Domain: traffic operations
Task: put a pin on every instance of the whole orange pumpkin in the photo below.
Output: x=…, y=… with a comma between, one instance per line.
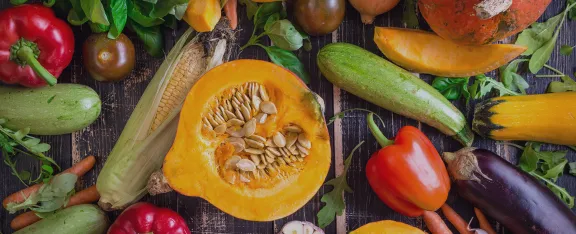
x=464, y=22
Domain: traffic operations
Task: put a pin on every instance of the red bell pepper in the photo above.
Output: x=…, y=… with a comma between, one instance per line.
x=407, y=174
x=146, y=218
x=35, y=46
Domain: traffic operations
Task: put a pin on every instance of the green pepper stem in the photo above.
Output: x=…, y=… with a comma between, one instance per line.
x=26, y=54
x=382, y=140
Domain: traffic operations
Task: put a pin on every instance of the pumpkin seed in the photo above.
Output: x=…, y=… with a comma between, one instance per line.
x=302, y=155
x=293, y=150
x=230, y=114
x=254, y=151
x=234, y=133
x=244, y=179
x=235, y=139
x=254, y=144
x=232, y=161
x=303, y=141
x=263, y=160
x=293, y=158
x=236, y=102
x=246, y=165
x=208, y=126
x=249, y=128
x=281, y=161
x=235, y=122
x=287, y=159
x=228, y=105
x=218, y=117
x=245, y=111
x=261, y=118
x=261, y=166
x=263, y=93
x=268, y=153
x=256, y=101
x=269, y=159
x=238, y=147
x=302, y=149
x=270, y=143
x=268, y=108
x=300, y=159
x=221, y=129
x=293, y=128
x=273, y=151
x=279, y=139
x=212, y=121
x=258, y=138
x=284, y=151
x=291, y=138
x=255, y=159
x=271, y=169
x=246, y=99
x=239, y=114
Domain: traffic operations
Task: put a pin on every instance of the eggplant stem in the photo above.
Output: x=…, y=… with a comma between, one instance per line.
x=375, y=130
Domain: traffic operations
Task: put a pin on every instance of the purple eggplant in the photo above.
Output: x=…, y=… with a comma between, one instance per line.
x=506, y=193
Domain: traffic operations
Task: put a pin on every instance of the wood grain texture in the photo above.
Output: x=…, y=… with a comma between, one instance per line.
x=119, y=100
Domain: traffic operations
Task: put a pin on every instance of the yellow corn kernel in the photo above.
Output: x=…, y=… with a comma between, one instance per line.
x=188, y=70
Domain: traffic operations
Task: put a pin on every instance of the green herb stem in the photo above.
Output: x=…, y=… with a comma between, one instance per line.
x=560, y=74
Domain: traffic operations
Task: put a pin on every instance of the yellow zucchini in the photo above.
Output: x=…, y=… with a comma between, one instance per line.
x=549, y=118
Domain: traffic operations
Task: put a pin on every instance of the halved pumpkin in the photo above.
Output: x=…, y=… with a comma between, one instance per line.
x=252, y=141
x=387, y=227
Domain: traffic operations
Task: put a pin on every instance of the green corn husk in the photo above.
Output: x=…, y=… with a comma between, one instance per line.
x=144, y=143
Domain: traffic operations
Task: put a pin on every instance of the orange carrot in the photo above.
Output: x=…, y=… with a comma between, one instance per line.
x=484, y=224
x=79, y=169
x=455, y=219
x=435, y=224
x=231, y=14
x=85, y=196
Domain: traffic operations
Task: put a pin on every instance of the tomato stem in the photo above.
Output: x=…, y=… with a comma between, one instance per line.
x=382, y=140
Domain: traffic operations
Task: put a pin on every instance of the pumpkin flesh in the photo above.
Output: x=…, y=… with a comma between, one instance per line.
x=199, y=162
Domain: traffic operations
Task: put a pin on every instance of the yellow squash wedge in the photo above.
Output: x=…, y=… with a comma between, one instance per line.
x=251, y=140
x=203, y=15
x=387, y=227
x=549, y=118
x=425, y=52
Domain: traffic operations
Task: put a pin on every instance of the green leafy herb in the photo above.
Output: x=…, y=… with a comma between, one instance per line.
x=566, y=50
x=483, y=85
x=119, y=12
x=511, y=79
x=172, y=7
x=452, y=88
x=98, y=28
x=251, y=8
x=140, y=13
x=541, y=39
x=566, y=85
x=572, y=166
x=546, y=166
x=572, y=12
x=287, y=60
x=270, y=17
x=95, y=12
x=285, y=35
x=151, y=36
x=51, y=197
x=16, y=143
x=335, y=199
x=410, y=15
x=18, y=2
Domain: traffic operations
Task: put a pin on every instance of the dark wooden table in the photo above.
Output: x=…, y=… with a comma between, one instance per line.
x=119, y=99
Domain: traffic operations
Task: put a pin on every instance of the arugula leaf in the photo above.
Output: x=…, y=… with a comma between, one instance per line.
x=559, y=191
x=483, y=85
x=251, y=8
x=284, y=34
x=410, y=15
x=119, y=13
x=95, y=12
x=511, y=79
x=452, y=88
x=52, y=196
x=287, y=60
x=151, y=36
x=335, y=199
x=541, y=39
x=566, y=50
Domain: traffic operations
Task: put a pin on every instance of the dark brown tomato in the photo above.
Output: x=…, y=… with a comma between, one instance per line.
x=319, y=17
x=106, y=59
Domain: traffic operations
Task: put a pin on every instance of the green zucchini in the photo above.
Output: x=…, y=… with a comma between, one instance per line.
x=85, y=219
x=377, y=80
x=61, y=109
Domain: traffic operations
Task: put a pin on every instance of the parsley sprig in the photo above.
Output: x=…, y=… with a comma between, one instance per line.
x=14, y=144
